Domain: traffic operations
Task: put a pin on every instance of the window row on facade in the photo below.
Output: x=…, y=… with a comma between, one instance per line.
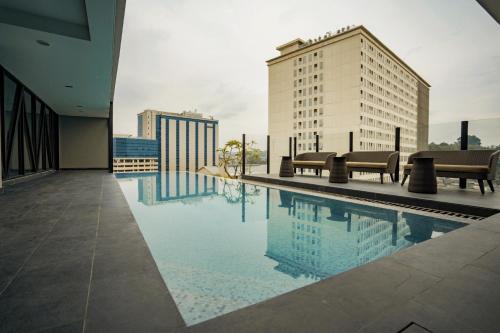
x=392, y=109
x=313, y=90
x=314, y=68
x=304, y=124
x=388, y=63
x=311, y=57
x=312, y=102
x=379, y=101
x=388, y=83
x=309, y=113
x=309, y=135
x=312, y=79
x=381, y=91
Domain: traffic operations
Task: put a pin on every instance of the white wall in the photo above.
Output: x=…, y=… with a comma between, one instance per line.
x=83, y=143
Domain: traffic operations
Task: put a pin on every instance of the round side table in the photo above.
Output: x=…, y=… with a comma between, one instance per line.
x=286, y=167
x=338, y=171
x=423, y=176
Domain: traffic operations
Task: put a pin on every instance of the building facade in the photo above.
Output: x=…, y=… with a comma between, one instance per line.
x=343, y=82
x=135, y=154
x=186, y=141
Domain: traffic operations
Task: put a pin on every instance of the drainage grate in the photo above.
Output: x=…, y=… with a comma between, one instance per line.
x=422, y=209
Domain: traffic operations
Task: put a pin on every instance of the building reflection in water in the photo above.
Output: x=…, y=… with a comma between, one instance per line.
x=316, y=237
x=307, y=236
x=158, y=188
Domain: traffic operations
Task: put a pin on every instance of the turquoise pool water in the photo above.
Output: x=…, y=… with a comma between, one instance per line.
x=221, y=245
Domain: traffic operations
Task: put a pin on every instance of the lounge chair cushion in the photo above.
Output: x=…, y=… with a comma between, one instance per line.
x=373, y=165
x=457, y=168
x=309, y=163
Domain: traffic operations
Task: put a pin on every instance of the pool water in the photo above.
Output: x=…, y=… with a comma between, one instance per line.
x=221, y=245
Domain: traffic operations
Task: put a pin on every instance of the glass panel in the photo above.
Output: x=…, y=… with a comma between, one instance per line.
x=444, y=136
x=484, y=134
x=256, y=154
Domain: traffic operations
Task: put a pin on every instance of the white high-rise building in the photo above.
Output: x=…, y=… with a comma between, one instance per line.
x=342, y=82
x=186, y=141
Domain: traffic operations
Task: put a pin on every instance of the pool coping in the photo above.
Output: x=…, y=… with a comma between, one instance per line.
x=379, y=196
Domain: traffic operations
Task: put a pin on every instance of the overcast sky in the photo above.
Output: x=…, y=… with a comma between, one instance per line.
x=210, y=55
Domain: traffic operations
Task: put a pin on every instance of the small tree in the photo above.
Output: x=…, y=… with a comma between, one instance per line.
x=231, y=156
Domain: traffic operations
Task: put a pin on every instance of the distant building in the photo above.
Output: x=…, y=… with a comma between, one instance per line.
x=134, y=154
x=187, y=141
x=342, y=82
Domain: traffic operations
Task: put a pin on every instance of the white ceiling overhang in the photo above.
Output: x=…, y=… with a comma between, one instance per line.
x=75, y=73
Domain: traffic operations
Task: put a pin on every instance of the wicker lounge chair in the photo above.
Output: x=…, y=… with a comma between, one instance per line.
x=315, y=161
x=467, y=164
x=373, y=161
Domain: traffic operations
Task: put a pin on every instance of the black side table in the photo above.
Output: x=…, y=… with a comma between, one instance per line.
x=286, y=167
x=338, y=171
x=423, y=176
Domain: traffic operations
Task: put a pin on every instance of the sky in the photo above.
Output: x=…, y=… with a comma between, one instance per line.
x=211, y=55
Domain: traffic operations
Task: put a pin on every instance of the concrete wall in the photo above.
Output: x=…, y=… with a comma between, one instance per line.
x=83, y=143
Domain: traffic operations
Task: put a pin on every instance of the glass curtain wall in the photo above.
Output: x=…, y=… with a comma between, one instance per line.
x=28, y=130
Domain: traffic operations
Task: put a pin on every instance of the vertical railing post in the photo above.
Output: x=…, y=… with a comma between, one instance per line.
x=268, y=167
x=397, y=147
x=351, y=147
x=243, y=154
x=464, y=143
x=290, y=147
x=294, y=146
x=294, y=150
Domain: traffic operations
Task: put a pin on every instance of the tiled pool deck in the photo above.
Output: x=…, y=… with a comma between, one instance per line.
x=449, y=198
x=72, y=259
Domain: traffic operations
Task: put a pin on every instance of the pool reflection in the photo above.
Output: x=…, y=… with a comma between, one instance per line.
x=304, y=232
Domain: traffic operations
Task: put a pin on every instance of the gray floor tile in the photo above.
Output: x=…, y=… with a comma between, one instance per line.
x=471, y=294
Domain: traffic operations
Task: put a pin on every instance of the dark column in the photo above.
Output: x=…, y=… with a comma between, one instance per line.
x=351, y=147
x=294, y=146
x=267, y=203
x=20, y=134
x=214, y=146
x=33, y=133
x=397, y=147
x=464, y=143
x=2, y=126
x=317, y=149
x=55, y=127
x=290, y=146
x=243, y=154
x=268, y=157
x=110, y=138
x=243, y=202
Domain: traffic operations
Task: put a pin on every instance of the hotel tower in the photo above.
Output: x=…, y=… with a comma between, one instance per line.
x=342, y=82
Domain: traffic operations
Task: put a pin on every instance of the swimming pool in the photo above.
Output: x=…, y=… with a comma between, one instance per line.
x=221, y=245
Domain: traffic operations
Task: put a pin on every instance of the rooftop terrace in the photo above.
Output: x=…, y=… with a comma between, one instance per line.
x=74, y=260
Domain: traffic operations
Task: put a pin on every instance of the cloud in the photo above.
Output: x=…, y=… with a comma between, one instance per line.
x=210, y=55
